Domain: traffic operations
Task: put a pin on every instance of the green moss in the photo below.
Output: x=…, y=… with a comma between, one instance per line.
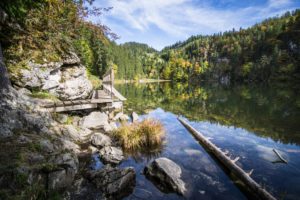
x=35, y=147
x=15, y=68
x=43, y=95
x=69, y=120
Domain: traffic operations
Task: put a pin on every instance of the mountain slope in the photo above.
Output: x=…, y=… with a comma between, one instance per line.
x=267, y=51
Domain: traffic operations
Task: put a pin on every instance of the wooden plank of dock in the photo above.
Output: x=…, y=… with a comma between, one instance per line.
x=115, y=92
x=102, y=98
x=98, y=97
x=71, y=108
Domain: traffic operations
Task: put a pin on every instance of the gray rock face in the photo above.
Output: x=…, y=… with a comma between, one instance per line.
x=110, y=127
x=134, y=116
x=18, y=113
x=68, y=160
x=68, y=145
x=76, y=134
x=60, y=179
x=71, y=59
x=112, y=155
x=93, y=149
x=168, y=173
x=63, y=178
x=66, y=79
x=52, y=81
x=113, y=181
x=23, y=140
x=46, y=146
x=94, y=121
x=74, y=84
x=24, y=91
x=100, y=140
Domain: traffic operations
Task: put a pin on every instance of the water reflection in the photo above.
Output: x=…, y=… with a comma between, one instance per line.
x=266, y=111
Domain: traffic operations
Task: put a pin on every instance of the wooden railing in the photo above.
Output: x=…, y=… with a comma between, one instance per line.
x=108, y=85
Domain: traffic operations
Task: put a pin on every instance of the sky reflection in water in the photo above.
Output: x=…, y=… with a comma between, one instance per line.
x=204, y=177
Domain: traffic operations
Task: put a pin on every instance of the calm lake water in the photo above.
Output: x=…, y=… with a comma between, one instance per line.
x=247, y=121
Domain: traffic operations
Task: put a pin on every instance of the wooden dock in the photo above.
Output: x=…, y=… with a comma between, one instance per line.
x=105, y=98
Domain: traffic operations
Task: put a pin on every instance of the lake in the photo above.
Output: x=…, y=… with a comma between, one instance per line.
x=248, y=121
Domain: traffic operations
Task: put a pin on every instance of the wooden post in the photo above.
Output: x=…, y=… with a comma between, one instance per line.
x=111, y=82
x=229, y=164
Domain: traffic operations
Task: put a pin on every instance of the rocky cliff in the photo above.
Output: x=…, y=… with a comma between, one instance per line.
x=66, y=79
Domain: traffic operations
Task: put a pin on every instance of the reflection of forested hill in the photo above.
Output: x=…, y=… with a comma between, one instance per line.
x=268, y=112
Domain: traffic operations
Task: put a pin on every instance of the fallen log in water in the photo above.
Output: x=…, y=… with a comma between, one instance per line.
x=255, y=188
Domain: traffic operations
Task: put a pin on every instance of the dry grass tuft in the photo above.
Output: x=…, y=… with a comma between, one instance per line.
x=147, y=133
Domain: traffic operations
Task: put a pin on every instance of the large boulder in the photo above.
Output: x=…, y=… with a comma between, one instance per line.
x=168, y=173
x=95, y=120
x=66, y=144
x=121, y=116
x=75, y=134
x=35, y=75
x=114, y=182
x=60, y=179
x=67, y=167
x=100, y=140
x=74, y=84
x=52, y=81
x=111, y=155
x=110, y=127
x=67, y=79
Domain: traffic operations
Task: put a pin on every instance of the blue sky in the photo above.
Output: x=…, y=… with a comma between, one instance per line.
x=160, y=23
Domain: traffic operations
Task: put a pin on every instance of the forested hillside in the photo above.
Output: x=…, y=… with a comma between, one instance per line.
x=265, y=52
x=135, y=61
x=44, y=30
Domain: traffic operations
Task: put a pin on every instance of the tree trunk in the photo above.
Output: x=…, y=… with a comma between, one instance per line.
x=4, y=78
x=256, y=189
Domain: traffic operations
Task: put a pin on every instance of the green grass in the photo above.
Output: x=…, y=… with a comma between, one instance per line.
x=145, y=134
x=43, y=95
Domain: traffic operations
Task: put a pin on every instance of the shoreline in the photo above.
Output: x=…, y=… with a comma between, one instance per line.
x=122, y=81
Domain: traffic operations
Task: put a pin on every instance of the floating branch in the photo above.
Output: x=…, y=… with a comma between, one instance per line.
x=250, y=172
x=236, y=159
x=279, y=156
x=230, y=164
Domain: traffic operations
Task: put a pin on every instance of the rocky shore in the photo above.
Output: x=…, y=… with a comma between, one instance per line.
x=49, y=154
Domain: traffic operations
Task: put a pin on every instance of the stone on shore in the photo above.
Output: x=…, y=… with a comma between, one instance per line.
x=168, y=173
x=111, y=155
x=94, y=121
x=134, y=116
x=100, y=140
x=114, y=182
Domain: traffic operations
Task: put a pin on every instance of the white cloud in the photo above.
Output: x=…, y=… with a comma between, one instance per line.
x=179, y=18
